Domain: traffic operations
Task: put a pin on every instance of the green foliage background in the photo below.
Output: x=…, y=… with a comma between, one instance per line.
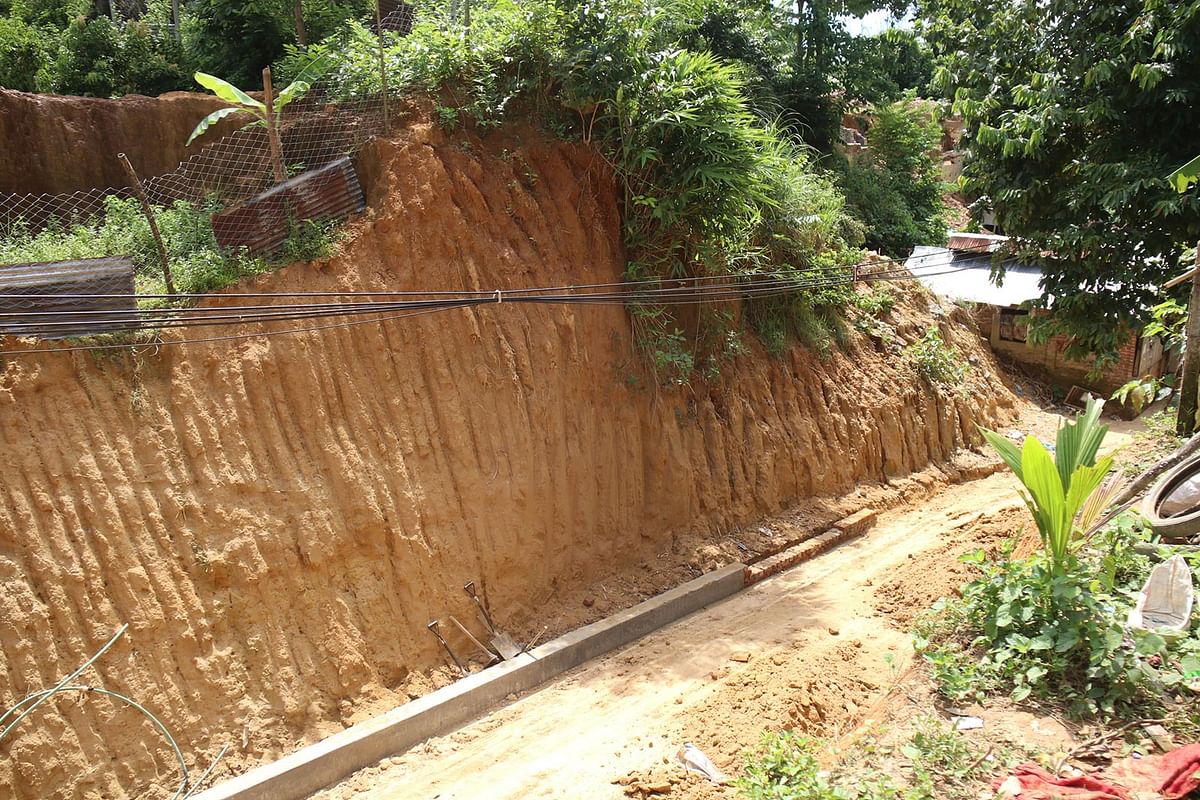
x=707, y=112
x=1075, y=114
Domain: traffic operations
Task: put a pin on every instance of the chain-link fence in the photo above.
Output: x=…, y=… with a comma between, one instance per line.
x=231, y=174
x=312, y=133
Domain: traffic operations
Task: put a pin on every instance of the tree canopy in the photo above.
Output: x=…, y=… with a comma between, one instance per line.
x=1075, y=113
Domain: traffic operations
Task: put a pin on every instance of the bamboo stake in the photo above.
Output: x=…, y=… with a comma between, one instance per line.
x=140, y=191
x=272, y=128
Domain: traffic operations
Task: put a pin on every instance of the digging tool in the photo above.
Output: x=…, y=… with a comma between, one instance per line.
x=433, y=626
x=505, y=645
x=491, y=657
x=533, y=642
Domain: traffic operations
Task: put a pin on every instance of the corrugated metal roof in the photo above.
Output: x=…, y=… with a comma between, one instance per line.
x=55, y=283
x=968, y=276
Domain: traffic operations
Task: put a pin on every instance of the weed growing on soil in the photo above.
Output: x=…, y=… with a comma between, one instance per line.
x=937, y=763
x=876, y=303
x=1051, y=626
x=935, y=359
x=664, y=344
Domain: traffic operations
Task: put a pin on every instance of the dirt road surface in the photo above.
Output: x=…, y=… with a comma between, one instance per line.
x=808, y=649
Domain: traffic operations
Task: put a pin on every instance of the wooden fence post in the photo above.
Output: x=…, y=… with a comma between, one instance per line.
x=140, y=191
x=273, y=128
x=1189, y=370
x=382, y=66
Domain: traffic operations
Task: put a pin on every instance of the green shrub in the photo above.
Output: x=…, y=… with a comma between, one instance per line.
x=198, y=263
x=236, y=39
x=1030, y=630
x=876, y=303
x=50, y=14
x=95, y=58
x=896, y=188
x=707, y=186
x=87, y=61
x=153, y=64
x=1053, y=625
x=22, y=54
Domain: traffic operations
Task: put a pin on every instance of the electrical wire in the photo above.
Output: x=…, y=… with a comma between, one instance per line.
x=231, y=338
x=679, y=291
x=940, y=251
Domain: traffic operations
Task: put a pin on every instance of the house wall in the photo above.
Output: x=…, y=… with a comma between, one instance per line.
x=1138, y=356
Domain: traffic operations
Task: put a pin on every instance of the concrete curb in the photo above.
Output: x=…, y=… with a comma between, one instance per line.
x=314, y=767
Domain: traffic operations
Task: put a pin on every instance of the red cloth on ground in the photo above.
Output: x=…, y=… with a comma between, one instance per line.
x=1173, y=776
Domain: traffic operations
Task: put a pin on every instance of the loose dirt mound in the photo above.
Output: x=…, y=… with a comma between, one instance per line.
x=278, y=518
x=918, y=584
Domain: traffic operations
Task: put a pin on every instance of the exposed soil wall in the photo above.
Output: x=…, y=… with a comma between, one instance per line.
x=56, y=144
x=278, y=518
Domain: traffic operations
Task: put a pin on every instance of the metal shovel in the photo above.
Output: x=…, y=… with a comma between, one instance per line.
x=488, y=654
x=505, y=645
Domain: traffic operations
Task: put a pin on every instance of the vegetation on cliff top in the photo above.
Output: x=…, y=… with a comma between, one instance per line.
x=701, y=108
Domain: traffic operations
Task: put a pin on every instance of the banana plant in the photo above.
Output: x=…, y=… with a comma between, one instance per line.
x=242, y=103
x=1058, y=488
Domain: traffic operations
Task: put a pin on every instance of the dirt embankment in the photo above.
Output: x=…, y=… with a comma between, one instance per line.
x=278, y=518
x=56, y=144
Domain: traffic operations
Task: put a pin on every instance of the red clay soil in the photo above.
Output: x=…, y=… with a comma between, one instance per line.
x=277, y=518
x=58, y=144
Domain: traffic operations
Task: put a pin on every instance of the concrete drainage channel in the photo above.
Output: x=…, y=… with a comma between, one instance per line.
x=332, y=759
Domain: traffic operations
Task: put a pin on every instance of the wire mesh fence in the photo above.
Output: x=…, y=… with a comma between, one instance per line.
x=314, y=131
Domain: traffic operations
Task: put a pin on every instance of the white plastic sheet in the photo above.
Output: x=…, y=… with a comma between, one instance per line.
x=1165, y=603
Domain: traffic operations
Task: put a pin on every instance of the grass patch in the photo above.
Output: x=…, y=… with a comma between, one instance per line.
x=936, y=360
x=198, y=263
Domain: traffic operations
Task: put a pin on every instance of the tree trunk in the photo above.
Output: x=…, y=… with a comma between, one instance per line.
x=1189, y=379
x=801, y=24
x=298, y=11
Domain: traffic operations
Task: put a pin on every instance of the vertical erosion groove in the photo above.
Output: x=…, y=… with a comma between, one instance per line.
x=277, y=519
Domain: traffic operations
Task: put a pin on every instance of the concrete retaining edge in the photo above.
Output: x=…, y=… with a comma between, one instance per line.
x=332, y=759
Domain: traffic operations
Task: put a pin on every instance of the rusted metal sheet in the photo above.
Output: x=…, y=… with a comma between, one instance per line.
x=34, y=297
x=974, y=242
x=260, y=224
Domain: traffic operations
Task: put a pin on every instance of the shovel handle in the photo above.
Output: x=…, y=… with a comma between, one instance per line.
x=469, y=588
x=433, y=628
x=468, y=634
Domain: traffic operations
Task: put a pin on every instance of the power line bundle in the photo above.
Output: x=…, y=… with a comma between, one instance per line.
x=266, y=309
